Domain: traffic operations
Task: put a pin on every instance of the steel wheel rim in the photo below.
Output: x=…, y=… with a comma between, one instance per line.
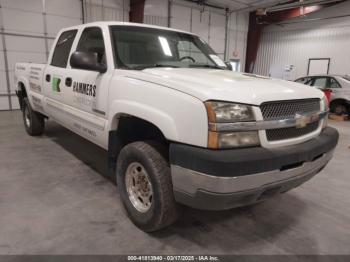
x=139, y=187
x=27, y=116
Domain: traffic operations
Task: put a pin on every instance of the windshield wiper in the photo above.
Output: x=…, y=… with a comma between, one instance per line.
x=153, y=66
x=206, y=66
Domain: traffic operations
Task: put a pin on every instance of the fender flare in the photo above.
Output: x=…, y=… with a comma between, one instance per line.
x=164, y=122
x=25, y=83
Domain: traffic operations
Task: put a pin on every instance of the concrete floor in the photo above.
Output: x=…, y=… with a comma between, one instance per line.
x=55, y=199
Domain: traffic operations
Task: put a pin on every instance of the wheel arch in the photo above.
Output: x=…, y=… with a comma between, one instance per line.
x=128, y=128
x=22, y=91
x=339, y=101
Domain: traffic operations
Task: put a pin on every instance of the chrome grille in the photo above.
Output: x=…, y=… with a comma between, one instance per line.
x=288, y=109
x=290, y=132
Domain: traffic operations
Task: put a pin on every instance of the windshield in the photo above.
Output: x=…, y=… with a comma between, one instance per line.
x=346, y=77
x=140, y=47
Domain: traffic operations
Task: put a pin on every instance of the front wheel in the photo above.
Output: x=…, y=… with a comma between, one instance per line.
x=34, y=122
x=144, y=182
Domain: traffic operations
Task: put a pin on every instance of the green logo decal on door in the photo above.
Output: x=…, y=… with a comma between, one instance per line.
x=56, y=84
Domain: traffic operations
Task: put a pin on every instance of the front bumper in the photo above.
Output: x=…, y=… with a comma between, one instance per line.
x=223, y=179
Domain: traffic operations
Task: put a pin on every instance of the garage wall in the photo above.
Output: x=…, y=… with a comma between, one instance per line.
x=106, y=10
x=27, y=31
x=237, y=37
x=293, y=44
x=209, y=24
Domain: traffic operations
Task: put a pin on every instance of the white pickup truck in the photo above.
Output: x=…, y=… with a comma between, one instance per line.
x=179, y=126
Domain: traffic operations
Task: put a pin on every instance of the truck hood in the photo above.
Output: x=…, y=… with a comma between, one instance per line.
x=225, y=85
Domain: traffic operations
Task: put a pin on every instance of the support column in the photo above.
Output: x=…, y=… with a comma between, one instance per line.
x=253, y=41
x=137, y=8
x=169, y=12
x=227, y=20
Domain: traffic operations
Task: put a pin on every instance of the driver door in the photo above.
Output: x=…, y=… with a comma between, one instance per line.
x=88, y=90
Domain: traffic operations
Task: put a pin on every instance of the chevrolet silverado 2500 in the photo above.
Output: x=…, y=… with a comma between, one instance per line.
x=179, y=126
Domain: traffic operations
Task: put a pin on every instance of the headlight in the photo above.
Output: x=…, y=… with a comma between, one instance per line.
x=222, y=112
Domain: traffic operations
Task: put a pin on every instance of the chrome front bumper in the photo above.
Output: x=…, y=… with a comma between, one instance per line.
x=222, y=179
x=189, y=181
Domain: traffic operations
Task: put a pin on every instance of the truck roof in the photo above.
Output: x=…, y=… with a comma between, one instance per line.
x=109, y=23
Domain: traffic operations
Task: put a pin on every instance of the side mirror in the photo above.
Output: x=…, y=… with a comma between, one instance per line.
x=87, y=61
x=229, y=66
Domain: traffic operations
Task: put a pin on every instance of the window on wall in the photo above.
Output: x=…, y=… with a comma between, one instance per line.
x=91, y=40
x=62, y=49
x=318, y=66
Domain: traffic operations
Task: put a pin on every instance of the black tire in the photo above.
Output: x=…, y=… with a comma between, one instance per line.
x=34, y=122
x=163, y=210
x=340, y=109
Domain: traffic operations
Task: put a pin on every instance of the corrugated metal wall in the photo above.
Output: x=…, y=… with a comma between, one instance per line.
x=294, y=44
x=106, y=10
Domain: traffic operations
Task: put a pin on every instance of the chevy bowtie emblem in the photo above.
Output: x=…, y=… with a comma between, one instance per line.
x=302, y=120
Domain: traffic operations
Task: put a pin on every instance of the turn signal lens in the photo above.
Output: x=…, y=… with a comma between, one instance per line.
x=233, y=139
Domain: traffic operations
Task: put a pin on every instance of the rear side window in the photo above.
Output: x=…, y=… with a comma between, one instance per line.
x=333, y=83
x=320, y=82
x=62, y=49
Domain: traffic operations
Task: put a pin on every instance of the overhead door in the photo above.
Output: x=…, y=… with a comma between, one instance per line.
x=27, y=32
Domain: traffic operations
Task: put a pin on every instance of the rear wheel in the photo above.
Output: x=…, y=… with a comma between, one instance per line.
x=144, y=182
x=34, y=122
x=340, y=109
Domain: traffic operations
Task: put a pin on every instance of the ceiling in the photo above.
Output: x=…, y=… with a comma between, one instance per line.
x=235, y=5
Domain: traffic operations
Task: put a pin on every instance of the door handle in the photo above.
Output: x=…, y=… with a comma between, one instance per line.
x=48, y=78
x=68, y=81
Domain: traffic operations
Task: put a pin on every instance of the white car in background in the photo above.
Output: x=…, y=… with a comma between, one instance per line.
x=339, y=85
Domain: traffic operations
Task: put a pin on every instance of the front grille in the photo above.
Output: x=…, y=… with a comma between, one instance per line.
x=290, y=132
x=288, y=109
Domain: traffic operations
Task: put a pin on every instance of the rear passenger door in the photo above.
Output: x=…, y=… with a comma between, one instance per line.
x=337, y=91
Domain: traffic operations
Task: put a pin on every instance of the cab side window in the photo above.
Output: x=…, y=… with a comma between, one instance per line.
x=91, y=40
x=62, y=49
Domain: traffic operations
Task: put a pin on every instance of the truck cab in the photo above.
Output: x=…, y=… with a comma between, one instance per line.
x=178, y=125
